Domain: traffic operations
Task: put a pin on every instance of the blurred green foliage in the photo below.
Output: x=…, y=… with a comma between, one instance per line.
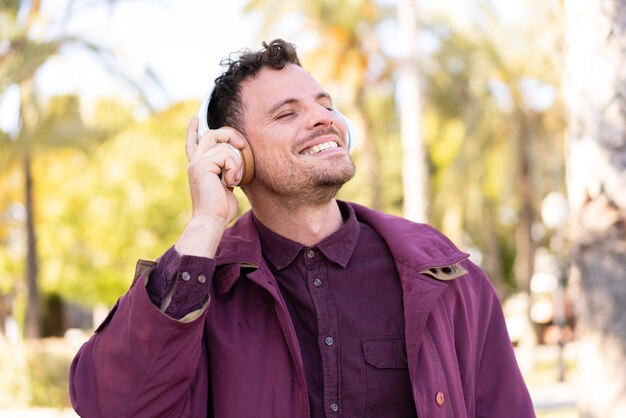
x=101, y=210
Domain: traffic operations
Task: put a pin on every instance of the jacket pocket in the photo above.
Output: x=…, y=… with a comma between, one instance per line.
x=387, y=378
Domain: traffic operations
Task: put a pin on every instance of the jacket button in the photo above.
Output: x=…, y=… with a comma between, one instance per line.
x=440, y=398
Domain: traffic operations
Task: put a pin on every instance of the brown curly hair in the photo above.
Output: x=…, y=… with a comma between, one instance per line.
x=225, y=106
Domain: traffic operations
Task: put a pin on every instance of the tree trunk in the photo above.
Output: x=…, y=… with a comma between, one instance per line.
x=4, y=313
x=414, y=163
x=28, y=113
x=595, y=93
x=368, y=150
x=492, y=261
x=32, y=325
x=525, y=249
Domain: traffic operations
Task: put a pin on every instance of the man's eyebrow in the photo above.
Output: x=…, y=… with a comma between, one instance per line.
x=324, y=95
x=281, y=104
x=291, y=100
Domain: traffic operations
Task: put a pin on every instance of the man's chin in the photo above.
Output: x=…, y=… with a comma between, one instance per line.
x=332, y=182
x=336, y=178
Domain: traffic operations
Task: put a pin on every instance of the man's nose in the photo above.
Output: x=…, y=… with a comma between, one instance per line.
x=320, y=116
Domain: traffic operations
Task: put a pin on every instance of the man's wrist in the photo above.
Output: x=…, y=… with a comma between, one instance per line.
x=201, y=236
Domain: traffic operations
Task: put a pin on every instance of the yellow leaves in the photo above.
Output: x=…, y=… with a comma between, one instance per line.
x=444, y=139
x=370, y=11
x=338, y=35
x=98, y=211
x=495, y=163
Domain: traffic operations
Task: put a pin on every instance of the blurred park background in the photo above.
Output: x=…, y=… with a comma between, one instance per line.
x=500, y=122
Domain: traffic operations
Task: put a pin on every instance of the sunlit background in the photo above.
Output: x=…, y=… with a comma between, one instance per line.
x=498, y=122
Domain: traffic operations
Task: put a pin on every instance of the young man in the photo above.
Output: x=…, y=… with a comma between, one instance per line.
x=306, y=306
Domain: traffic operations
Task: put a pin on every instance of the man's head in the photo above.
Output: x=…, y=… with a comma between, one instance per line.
x=298, y=140
x=225, y=107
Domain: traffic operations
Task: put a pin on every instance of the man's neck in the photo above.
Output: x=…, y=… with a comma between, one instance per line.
x=305, y=224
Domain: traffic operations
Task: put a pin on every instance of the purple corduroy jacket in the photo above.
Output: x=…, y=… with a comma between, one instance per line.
x=239, y=356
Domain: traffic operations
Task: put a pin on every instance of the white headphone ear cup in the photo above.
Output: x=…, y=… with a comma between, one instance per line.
x=203, y=114
x=346, y=122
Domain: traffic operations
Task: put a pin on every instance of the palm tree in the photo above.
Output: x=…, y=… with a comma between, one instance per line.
x=20, y=60
x=595, y=94
x=18, y=65
x=488, y=137
x=414, y=163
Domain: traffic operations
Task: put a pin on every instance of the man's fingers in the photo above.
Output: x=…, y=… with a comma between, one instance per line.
x=221, y=160
x=222, y=135
x=217, y=150
x=231, y=171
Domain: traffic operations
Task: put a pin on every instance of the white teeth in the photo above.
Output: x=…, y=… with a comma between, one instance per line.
x=322, y=147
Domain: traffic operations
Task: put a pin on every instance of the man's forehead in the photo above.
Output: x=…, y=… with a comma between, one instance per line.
x=289, y=84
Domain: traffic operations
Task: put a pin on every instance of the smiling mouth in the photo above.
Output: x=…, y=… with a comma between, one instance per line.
x=321, y=147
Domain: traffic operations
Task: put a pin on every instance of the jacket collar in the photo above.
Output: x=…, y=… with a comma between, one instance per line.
x=239, y=248
x=415, y=247
x=240, y=243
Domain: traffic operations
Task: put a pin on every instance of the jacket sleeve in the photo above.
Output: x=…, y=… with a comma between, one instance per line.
x=141, y=362
x=500, y=389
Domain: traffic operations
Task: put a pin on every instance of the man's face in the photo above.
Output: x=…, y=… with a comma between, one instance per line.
x=299, y=143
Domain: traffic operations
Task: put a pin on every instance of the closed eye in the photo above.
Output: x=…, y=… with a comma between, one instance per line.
x=285, y=115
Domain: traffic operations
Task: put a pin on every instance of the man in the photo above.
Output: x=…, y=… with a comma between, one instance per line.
x=306, y=306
